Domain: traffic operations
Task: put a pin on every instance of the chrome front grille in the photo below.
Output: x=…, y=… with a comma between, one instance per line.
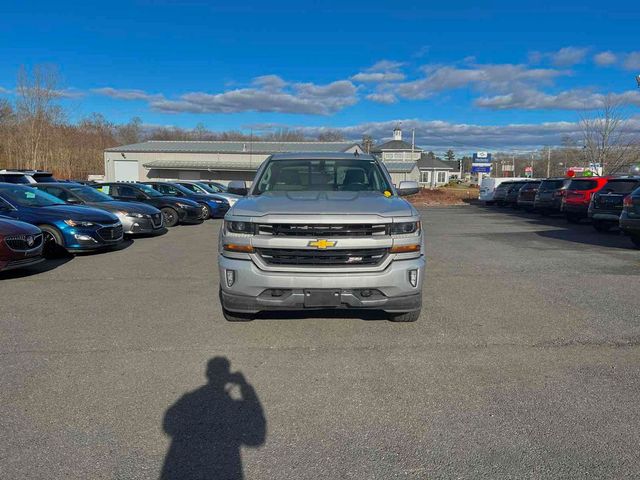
x=23, y=243
x=322, y=230
x=298, y=256
x=156, y=220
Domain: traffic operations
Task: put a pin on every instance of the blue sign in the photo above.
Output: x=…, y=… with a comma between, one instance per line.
x=480, y=169
x=482, y=157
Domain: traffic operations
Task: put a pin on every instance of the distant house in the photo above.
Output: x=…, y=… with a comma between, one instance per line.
x=433, y=172
x=409, y=162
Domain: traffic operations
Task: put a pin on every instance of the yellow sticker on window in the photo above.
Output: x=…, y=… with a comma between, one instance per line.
x=387, y=193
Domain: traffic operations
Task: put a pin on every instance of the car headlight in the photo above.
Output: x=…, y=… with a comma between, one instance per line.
x=79, y=223
x=240, y=227
x=137, y=215
x=183, y=205
x=404, y=228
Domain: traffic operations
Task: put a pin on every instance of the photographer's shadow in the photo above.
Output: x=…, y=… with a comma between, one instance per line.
x=209, y=425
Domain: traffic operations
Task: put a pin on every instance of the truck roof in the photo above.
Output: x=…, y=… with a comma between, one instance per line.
x=322, y=156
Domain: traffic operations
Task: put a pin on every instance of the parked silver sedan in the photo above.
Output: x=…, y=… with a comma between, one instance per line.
x=136, y=218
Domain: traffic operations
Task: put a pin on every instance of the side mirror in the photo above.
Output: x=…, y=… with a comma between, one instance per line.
x=140, y=196
x=73, y=200
x=238, y=187
x=408, y=187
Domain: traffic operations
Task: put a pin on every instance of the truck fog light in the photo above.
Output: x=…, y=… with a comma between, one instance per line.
x=231, y=277
x=413, y=278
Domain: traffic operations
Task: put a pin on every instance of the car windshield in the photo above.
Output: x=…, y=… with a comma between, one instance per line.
x=14, y=178
x=29, y=197
x=215, y=187
x=205, y=188
x=621, y=186
x=89, y=194
x=192, y=187
x=322, y=175
x=148, y=190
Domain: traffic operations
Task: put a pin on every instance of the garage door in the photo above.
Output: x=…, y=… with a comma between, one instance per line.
x=125, y=171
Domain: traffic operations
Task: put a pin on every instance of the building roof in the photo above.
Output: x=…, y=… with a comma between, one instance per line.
x=400, y=167
x=394, y=145
x=427, y=162
x=192, y=146
x=208, y=165
x=322, y=156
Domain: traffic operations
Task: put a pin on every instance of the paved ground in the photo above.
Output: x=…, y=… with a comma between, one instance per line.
x=525, y=364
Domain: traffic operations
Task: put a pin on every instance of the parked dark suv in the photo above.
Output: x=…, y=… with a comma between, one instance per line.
x=549, y=195
x=174, y=210
x=500, y=194
x=511, y=198
x=575, y=201
x=606, y=205
x=211, y=206
x=630, y=216
x=527, y=195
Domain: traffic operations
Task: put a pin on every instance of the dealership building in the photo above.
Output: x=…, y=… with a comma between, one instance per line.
x=202, y=160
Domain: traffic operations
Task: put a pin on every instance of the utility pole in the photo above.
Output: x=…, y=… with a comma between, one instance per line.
x=413, y=141
x=548, y=162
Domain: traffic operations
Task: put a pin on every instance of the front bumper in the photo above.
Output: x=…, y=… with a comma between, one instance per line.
x=141, y=226
x=190, y=215
x=85, y=239
x=251, y=291
x=20, y=263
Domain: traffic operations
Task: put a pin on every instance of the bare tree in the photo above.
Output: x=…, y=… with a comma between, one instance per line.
x=331, y=136
x=606, y=137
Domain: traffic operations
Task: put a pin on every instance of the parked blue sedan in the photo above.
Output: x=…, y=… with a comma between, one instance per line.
x=213, y=206
x=73, y=228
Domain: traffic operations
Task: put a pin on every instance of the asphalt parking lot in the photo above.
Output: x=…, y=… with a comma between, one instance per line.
x=524, y=364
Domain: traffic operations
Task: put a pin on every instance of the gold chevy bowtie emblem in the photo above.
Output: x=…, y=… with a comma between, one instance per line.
x=322, y=244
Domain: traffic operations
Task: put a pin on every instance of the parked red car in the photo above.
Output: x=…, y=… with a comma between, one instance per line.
x=20, y=244
x=576, y=198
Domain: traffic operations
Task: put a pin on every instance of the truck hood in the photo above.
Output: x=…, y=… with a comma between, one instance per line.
x=322, y=203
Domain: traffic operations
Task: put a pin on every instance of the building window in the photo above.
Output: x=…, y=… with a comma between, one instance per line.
x=442, y=177
x=425, y=177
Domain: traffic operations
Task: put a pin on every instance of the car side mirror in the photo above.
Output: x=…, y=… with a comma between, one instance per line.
x=73, y=200
x=140, y=196
x=238, y=187
x=408, y=187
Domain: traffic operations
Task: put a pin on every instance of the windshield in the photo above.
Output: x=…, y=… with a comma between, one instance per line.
x=148, y=190
x=214, y=187
x=192, y=187
x=322, y=175
x=89, y=194
x=29, y=197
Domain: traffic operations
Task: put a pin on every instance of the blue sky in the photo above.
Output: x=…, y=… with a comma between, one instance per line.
x=463, y=74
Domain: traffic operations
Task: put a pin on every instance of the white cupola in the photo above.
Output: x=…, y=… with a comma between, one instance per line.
x=397, y=133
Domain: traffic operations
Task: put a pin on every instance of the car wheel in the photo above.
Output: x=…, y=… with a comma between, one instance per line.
x=601, y=227
x=206, y=211
x=636, y=240
x=53, y=242
x=405, y=317
x=170, y=217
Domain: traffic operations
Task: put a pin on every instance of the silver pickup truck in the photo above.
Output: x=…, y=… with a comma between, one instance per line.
x=319, y=231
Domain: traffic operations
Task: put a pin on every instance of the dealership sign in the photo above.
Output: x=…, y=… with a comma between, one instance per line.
x=480, y=168
x=481, y=157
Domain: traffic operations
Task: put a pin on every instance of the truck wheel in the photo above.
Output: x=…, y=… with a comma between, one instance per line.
x=53, y=242
x=602, y=227
x=170, y=217
x=636, y=240
x=405, y=317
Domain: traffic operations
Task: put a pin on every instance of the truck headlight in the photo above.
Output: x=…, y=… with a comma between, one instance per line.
x=403, y=228
x=240, y=227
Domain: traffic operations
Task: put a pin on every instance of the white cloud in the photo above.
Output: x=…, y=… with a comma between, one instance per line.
x=382, y=71
x=5, y=91
x=487, y=77
x=568, y=56
x=125, y=94
x=565, y=57
x=632, y=61
x=604, y=59
x=268, y=94
x=567, y=100
x=387, y=98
